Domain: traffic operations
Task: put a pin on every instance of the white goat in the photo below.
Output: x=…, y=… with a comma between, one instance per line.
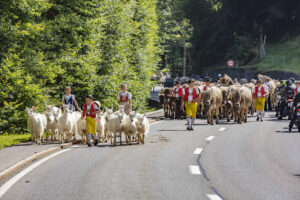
x=101, y=127
x=53, y=116
x=130, y=127
x=68, y=125
x=115, y=127
x=143, y=128
x=37, y=124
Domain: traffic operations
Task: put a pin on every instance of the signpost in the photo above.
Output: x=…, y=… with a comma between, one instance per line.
x=230, y=63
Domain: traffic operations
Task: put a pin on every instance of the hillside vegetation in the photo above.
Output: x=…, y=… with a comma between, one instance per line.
x=283, y=56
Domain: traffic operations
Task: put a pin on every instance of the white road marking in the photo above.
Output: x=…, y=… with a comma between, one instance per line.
x=222, y=129
x=75, y=146
x=198, y=151
x=5, y=187
x=194, y=169
x=210, y=138
x=156, y=122
x=214, y=197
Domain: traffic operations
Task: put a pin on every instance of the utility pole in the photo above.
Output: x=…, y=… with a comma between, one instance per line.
x=184, y=59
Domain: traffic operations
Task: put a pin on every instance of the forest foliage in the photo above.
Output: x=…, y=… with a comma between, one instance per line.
x=96, y=45
x=91, y=45
x=226, y=29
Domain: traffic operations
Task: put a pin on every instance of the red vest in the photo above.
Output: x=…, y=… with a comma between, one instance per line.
x=92, y=110
x=194, y=93
x=297, y=91
x=205, y=87
x=124, y=99
x=262, y=91
x=179, y=92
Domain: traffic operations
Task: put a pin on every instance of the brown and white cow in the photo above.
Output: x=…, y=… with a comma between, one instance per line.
x=212, y=100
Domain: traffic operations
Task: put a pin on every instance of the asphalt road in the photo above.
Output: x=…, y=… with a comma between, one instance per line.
x=257, y=160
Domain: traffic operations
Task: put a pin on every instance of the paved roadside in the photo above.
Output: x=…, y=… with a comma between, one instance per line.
x=14, y=154
x=11, y=155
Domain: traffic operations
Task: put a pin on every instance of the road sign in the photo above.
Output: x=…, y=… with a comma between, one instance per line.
x=230, y=63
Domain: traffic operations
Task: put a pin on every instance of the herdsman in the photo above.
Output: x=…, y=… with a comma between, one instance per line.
x=297, y=89
x=69, y=98
x=260, y=93
x=178, y=93
x=190, y=99
x=90, y=109
x=207, y=81
x=124, y=98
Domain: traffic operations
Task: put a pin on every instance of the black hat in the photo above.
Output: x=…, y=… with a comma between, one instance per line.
x=89, y=96
x=259, y=81
x=178, y=82
x=207, y=79
x=191, y=80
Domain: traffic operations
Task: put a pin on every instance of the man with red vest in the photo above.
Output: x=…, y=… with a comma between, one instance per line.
x=190, y=99
x=297, y=89
x=260, y=93
x=178, y=93
x=207, y=81
x=90, y=109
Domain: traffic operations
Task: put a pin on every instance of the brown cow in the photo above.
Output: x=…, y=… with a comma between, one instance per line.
x=246, y=100
x=212, y=100
x=242, y=99
x=226, y=109
x=226, y=80
x=235, y=98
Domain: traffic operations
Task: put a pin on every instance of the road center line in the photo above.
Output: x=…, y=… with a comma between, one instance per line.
x=198, y=151
x=213, y=197
x=222, y=129
x=4, y=188
x=210, y=138
x=195, y=170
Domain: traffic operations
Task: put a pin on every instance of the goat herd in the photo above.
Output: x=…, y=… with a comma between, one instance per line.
x=67, y=125
x=224, y=99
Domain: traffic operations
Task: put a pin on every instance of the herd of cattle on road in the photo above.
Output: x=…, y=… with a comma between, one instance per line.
x=225, y=99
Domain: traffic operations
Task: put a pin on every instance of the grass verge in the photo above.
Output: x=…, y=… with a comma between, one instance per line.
x=12, y=139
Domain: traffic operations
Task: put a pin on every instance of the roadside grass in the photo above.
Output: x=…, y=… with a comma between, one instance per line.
x=283, y=56
x=12, y=139
x=149, y=109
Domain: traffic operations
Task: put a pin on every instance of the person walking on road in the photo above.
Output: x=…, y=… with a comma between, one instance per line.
x=90, y=109
x=294, y=116
x=124, y=99
x=189, y=100
x=69, y=98
x=268, y=104
x=297, y=89
x=178, y=93
x=207, y=82
x=260, y=93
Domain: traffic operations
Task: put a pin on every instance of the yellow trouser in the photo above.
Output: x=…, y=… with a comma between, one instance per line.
x=90, y=125
x=191, y=109
x=260, y=103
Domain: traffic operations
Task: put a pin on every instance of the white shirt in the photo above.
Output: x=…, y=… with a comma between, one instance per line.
x=88, y=108
x=176, y=92
x=124, y=94
x=190, y=97
x=259, y=90
x=67, y=98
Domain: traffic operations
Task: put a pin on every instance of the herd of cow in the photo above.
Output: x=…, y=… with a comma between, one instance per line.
x=225, y=99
